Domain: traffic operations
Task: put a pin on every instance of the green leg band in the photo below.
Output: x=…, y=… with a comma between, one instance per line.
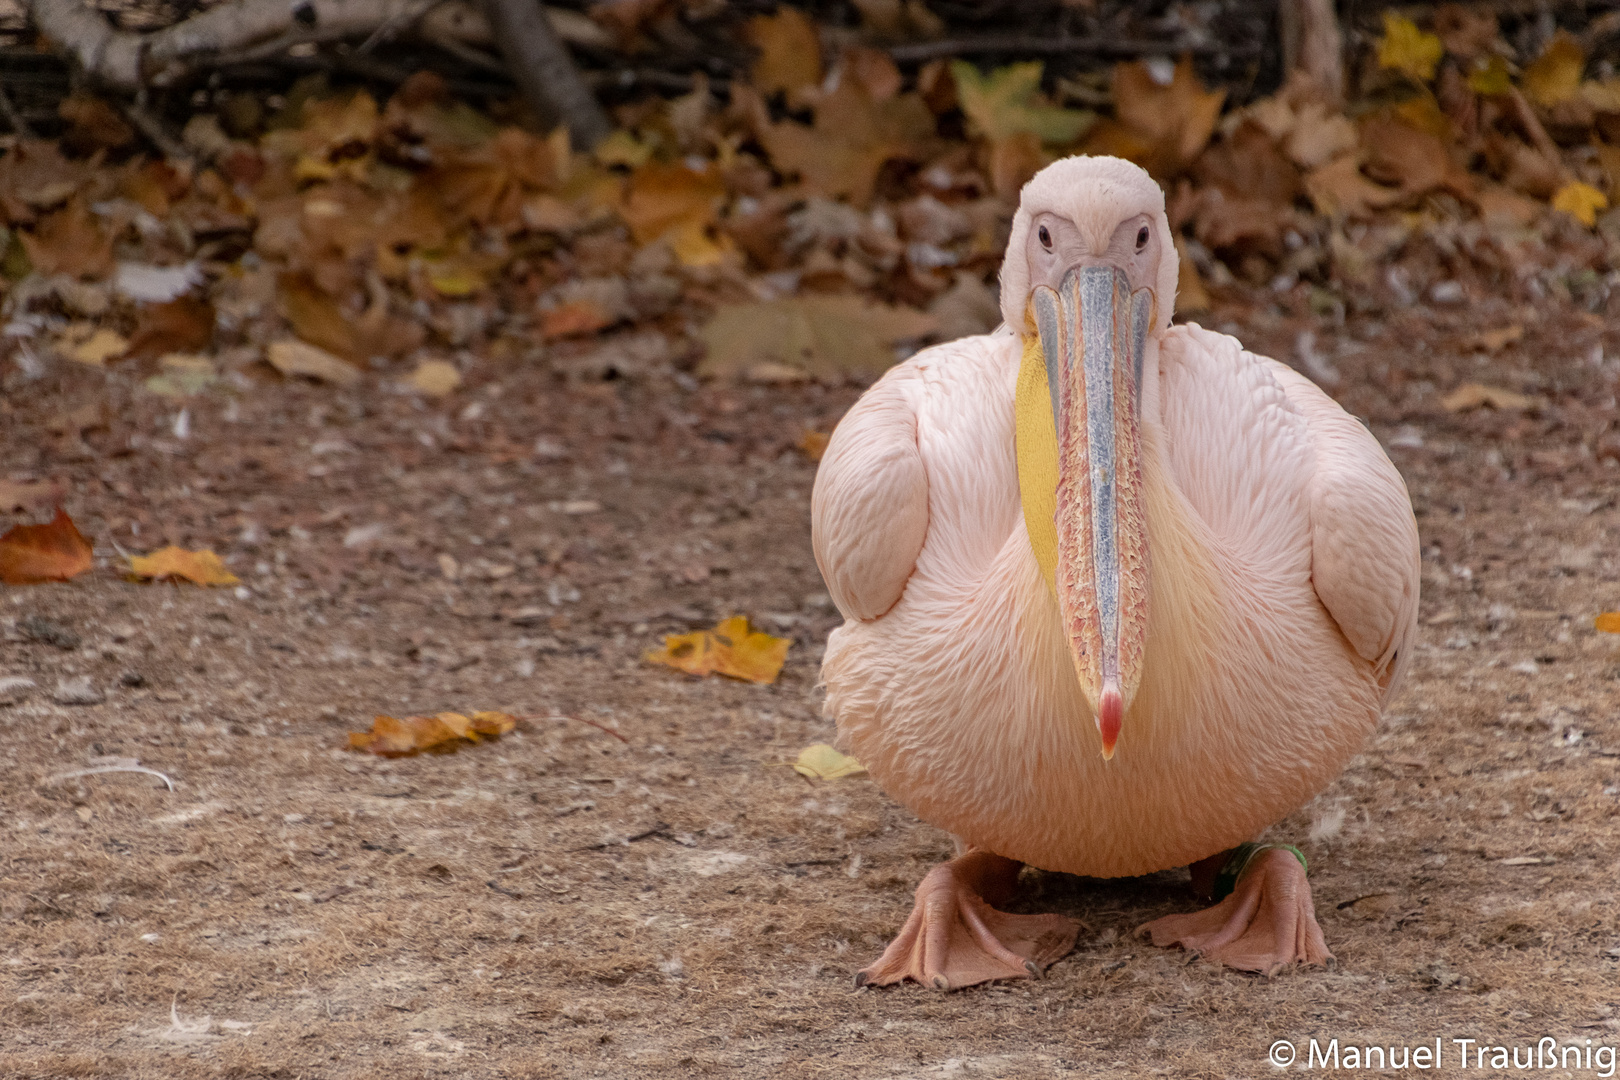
x=1241, y=856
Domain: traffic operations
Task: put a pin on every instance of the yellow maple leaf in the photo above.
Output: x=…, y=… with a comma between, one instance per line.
x=199, y=567
x=1406, y=48
x=1490, y=77
x=1608, y=622
x=733, y=648
x=1556, y=74
x=822, y=762
x=1580, y=201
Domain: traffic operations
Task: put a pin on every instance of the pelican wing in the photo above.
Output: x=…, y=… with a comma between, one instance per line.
x=869, y=510
x=1365, y=562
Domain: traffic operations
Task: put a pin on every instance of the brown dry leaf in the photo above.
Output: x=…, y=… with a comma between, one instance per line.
x=813, y=443
x=1191, y=295
x=1465, y=32
x=1418, y=162
x=30, y=495
x=177, y=564
x=789, y=52
x=733, y=648
x=93, y=124
x=55, y=551
x=1340, y=189
x=444, y=733
x=293, y=357
x=824, y=337
x=34, y=176
x=185, y=325
x=1556, y=74
x=321, y=321
x=488, y=184
x=1470, y=396
x=1608, y=622
x=576, y=318
x=822, y=762
x=1169, y=125
x=853, y=136
x=1494, y=341
x=70, y=241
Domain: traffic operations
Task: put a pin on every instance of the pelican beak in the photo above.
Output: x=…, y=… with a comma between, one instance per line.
x=1093, y=333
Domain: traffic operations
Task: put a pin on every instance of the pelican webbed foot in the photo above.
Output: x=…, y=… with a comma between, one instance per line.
x=1266, y=923
x=954, y=938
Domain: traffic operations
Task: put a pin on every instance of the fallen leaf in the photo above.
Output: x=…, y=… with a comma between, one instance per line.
x=575, y=318
x=677, y=203
x=30, y=554
x=94, y=124
x=1407, y=49
x=173, y=563
x=1491, y=77
x=1417, y=161
x=102, y=345
x=1580, y=201
x=70, y=241
x=825, y=337
x=1008, y=102
x=293, y=357
x=1476, y=395
x=733, y=648
x=29, y=495
x=822, y=762
x=1191, y=295
x=789, y=51
x=181, y=375
x=850, y=141
x=444, y=733
x=1608, y=622
x=1494, y=341
x=1466, y=33
x=435, y=378
x=1162, y=128
x=813, y=443
x=1556, y=74
x=183, y=325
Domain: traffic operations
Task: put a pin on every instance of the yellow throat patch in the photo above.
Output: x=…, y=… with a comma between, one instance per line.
x=1035, y=440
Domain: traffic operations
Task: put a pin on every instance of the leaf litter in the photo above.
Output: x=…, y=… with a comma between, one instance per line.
x=442, y=733
x=733, y=648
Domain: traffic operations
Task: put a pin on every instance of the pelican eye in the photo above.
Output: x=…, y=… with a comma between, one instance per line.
x=1046, y=238
x=1142, y=238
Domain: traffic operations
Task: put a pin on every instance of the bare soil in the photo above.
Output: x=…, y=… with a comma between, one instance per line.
x=561, y=903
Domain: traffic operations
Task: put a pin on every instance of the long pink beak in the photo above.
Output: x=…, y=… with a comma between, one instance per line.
x=1093, y=334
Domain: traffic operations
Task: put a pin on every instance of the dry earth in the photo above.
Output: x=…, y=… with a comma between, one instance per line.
x=561, y=903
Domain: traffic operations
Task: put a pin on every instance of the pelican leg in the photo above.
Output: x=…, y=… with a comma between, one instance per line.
x=954, y=938
x=1267, y=923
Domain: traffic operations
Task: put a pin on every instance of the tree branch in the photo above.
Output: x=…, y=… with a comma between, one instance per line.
x=544, y=71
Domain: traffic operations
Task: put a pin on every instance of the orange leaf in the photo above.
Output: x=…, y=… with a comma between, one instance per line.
x=71, y=242
x=183, y=325
x=789, y=51
x=1608, y=622
x=1174, y=121
x=198, y=567
x=575, y=318
x=814, y=443
x=30, y=554
x=733, y=648
x=444, y=733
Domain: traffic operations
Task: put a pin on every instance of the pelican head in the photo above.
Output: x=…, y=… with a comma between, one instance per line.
x=1089, y=279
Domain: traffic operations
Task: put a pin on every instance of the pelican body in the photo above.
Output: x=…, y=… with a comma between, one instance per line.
x=1118, y=594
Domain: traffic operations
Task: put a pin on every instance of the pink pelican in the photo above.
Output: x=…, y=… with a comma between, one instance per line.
x=1118, y=595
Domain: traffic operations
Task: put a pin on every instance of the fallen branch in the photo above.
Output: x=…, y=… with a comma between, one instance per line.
x=242, y=31
x=1060, y=46
x=543, y=70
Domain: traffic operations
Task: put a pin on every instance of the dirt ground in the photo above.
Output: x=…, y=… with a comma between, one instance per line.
x=561, y=903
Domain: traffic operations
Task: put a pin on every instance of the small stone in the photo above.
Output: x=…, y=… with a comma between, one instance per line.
x=15, y=689
x=79, y=691
x=48, y=631
x=132, y=679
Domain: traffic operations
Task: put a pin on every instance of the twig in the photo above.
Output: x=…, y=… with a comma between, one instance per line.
x=152, y=128
x=1059, y=46
x=582, y=720
x=111, y=769
x=545, y=72
x=468, y=54
x=13, y=117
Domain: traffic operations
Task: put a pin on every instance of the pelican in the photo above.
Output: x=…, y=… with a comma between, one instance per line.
x=1118, y=595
